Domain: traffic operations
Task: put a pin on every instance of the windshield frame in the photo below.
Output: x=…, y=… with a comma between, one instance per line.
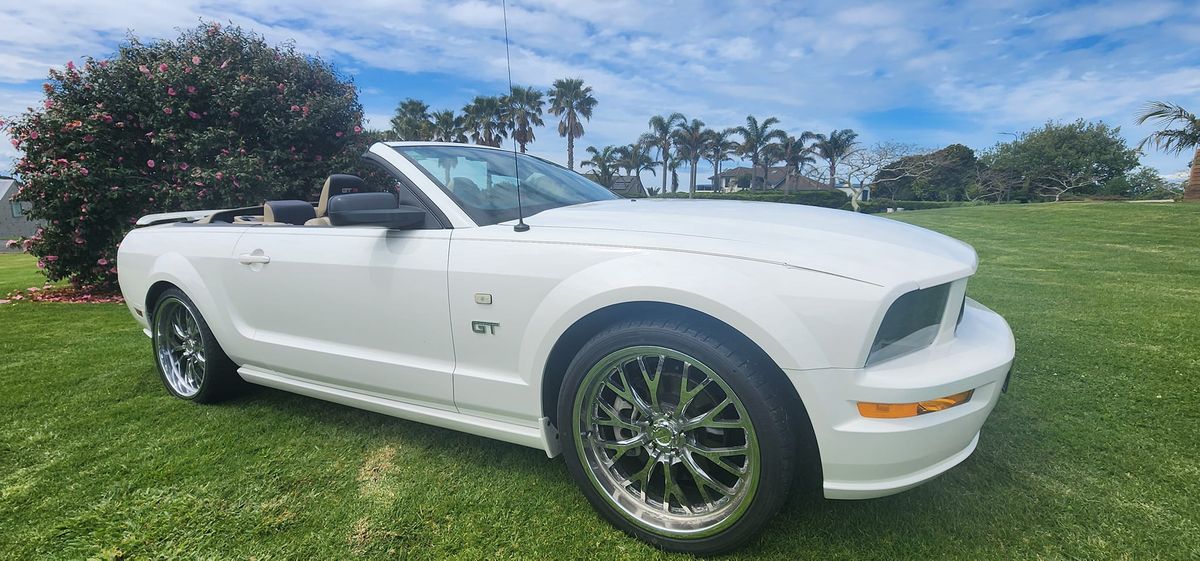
x=488, y=217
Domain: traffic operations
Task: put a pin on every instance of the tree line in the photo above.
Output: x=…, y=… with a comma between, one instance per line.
x=1045, y=163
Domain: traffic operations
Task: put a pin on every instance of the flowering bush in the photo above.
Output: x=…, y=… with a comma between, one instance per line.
x=214, y=119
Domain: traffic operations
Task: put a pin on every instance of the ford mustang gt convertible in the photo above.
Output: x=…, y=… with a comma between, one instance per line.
x=691, y=360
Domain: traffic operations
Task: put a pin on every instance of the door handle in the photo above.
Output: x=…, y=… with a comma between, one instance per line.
x=252, y=259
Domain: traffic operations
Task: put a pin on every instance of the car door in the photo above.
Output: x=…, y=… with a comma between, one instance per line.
x=361, y=308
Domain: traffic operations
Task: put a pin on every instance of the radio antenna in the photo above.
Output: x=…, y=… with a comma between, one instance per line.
x=521, y=226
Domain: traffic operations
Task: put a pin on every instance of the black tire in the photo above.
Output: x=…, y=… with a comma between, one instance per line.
x=217, y=377
x=755, y=380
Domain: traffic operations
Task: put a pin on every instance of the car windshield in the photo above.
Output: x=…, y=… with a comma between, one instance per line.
x=484, y=182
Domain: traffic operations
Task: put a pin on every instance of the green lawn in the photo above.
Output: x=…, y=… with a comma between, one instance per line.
x=1093, y=454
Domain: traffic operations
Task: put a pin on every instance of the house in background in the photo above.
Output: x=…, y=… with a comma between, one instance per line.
x=628, y=186
x=13, y=222
x=777, y=178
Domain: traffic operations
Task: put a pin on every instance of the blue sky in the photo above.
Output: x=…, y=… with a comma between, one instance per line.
x=924, y=73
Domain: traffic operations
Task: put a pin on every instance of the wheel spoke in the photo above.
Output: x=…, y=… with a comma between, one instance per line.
x=621, y=446
x=627, y=393
x=614, y=419
x=671, y=489
x=652, y=381
x=709, y=418
x=715, y=454
x=685, y=395
x=702, y=478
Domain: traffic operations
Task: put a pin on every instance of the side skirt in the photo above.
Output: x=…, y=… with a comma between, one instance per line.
x=533, y=437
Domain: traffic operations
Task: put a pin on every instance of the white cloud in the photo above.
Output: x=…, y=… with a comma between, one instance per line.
x=819, y=65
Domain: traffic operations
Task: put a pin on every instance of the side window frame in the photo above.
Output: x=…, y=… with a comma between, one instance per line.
x=405, y=183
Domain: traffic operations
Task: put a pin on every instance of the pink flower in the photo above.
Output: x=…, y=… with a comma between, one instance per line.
x=41, y=264
x=70, y=65
x=168, y=110
x=88, y=138
x=11, y=243
x=295, y=108
x=33, y=135
x=219, y=176
x=78, y=240
x=357, y=128
x=225, y=64
x=234, y=114
x=338, y=134
x=162, y=67
x=15, y=142
x=48, y=103
x=102, y=261
x=51, y=258
x=195, y=60
x=107, y=118
x=279, y=87
x=183, y=166
x=104, y=64
x=149, y=163
x=170, y=91
x=83, y=171
x=191, y=89
x=143, y=69
x=193, y=114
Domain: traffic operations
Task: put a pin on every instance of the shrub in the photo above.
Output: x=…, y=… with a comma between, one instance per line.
x=827, y=199
x=881, y=205
x=215, y=118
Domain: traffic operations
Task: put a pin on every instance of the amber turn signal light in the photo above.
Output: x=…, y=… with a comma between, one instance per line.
x=903, y=410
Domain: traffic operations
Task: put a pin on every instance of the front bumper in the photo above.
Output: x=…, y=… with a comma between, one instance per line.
x=863, y=458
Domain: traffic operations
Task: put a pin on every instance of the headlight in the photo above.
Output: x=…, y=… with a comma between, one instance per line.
x=910, y=324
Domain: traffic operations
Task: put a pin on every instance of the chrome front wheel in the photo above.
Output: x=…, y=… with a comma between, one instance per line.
x=667, y=441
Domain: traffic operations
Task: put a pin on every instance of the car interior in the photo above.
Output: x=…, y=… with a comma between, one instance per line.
x=341, y=192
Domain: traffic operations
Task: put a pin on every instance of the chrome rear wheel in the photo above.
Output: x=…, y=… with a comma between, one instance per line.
x=179, y=347
x=666, y=441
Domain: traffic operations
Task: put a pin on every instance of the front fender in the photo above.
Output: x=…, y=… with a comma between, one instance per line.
x=779, y=308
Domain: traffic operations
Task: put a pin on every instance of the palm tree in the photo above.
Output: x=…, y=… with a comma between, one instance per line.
x=660, y=137
x=603, y=162
x=484, y=118
x=717, y=148
x=635, y=158
x=411, y=121
x=689, y=139
x=1186, y=136
x=524, y=111
x=756, y=137
x=570, y=100
x=445, y=126
x=795, y=154
x=833, y=148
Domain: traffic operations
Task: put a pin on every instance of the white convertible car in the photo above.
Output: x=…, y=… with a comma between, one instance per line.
x=688, y=358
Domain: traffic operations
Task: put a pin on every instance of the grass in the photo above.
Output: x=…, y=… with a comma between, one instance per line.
x=1093, y=454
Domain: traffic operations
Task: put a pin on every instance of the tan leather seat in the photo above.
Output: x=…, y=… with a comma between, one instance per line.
x=295, y=213
x=336, y=184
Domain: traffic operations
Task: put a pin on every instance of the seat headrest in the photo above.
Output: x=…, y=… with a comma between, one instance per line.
x=363, y=201
x=340, y=184
x=288, y=212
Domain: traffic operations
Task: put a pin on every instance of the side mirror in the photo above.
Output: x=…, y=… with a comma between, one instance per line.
x=373, y=209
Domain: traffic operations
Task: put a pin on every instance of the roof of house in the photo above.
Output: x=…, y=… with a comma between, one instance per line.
x=7, y=184
x=628, y=185
x=776, y=177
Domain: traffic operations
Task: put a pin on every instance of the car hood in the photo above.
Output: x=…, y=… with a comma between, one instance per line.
x=862, y=247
